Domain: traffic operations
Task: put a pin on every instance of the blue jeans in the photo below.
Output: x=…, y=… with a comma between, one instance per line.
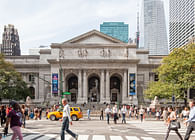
x=123, y=120
x=65, y=127
x=108, y=118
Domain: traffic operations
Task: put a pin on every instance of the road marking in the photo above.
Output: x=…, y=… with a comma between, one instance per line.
x=46, y=137
x=132, y=138
x=147, y=138
x=116, y=138
x=98, y=137
x=67, y=137
x=83, y=137
x=29, y=137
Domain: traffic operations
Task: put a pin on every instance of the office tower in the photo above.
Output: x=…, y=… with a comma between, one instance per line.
x=181, y=22
x=153, y=35
x=117, y=30
x=10, y=41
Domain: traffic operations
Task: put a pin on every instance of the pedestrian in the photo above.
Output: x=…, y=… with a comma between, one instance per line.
x=115, y=112
x=185, y=114
x=123, y=112
x=26, y=113
x=165, y=114
x=88, y=114
x=191, y=120
x=0, y=136
x=108, y=112
x=31, y=114
x=36, y=113
x=101, y=114
x=141, y=113
x=66, y=120
x=40, y=113
x=3, y=115
x=23, y=118
x=172, y=118
x=14, y=118
x=157, y=114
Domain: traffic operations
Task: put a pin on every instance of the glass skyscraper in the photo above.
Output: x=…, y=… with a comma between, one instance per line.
x=117, y=30
x=181, y=22
x=153, y=35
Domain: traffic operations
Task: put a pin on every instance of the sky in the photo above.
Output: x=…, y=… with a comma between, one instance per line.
x=42, y=22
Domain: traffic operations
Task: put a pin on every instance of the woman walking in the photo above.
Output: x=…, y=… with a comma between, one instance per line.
x=15, y=119
x=172, y=118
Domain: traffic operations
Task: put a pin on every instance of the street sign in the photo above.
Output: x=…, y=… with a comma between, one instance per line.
x=66, y=93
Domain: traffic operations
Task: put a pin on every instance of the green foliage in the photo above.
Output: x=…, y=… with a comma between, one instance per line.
x=11, y=84
x=176, y=74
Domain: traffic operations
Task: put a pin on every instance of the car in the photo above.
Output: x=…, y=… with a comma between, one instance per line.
x=75, y=114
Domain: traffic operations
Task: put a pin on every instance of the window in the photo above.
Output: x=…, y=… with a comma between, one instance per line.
x=31, y=78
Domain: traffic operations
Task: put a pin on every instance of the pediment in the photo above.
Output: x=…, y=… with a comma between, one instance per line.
x=94, y=37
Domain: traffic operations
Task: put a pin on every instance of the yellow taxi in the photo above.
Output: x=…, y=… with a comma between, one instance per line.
x=75, y=113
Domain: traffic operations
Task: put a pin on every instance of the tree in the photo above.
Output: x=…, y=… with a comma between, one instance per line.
x=176, y=74
x=11, y=84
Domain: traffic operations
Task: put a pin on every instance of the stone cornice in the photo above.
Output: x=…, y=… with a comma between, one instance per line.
x=45, y=51
x=148, y=65
x=32, y=65
x=78, y=45
x=156, y=56
x=54, y=61
x=142, y=52
x=23, y=57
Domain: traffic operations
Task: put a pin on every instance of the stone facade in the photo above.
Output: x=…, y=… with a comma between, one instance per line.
x=95, y=68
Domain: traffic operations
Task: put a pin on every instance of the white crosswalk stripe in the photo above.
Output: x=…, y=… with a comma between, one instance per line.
x=81, y=137
x=99, y=137
x=116, y=138
x=158, y=128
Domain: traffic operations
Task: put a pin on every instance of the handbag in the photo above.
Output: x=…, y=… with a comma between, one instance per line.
x=174, y=125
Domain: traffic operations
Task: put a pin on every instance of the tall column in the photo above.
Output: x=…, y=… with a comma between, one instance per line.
x=85, y=87
x=79, y=97
x=107, y=86
x=124, y=95
x=102, y=97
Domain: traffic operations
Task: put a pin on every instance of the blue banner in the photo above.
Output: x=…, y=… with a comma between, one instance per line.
x=132, y=86
x=54, y=83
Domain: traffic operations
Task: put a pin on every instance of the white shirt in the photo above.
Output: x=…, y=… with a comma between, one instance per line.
x=107, y=110
x=123, y=110
x=115, y=110
x=66, y=112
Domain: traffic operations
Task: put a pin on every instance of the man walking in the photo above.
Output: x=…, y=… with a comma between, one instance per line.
x=66, y=119
x=191, y=120
x=108, y=112
x=123, y=111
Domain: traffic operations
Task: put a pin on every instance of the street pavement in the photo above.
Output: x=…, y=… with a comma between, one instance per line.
x=99, y=130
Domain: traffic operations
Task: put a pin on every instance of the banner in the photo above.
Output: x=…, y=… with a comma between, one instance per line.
x=54, y=83
x=132, y=86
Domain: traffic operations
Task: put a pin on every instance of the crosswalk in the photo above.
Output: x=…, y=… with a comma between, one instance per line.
x=81, y=137
x=158, y=128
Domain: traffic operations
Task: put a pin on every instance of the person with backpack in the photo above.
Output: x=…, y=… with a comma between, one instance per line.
x=172, y=118
x=14, y=118
x=3, y=115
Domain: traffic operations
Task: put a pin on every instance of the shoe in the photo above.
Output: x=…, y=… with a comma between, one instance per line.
x=76, y=137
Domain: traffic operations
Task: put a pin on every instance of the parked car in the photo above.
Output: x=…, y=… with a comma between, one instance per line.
x=75, y=113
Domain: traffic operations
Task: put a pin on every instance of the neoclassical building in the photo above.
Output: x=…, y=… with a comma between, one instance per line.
x=93, y=67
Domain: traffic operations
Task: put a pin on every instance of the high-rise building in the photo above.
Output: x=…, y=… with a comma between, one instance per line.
x=117, y=30
x=10, y=41
x=181, y=22
x=153, y=35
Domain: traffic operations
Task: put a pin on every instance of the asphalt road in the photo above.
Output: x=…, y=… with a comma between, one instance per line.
x=99, y=130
